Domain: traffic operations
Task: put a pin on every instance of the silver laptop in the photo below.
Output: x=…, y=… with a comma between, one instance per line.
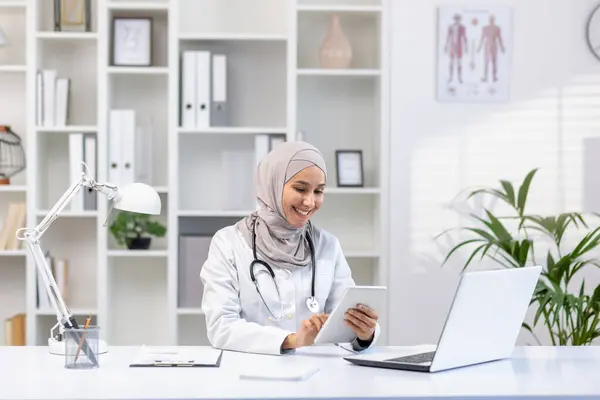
x=482, y=325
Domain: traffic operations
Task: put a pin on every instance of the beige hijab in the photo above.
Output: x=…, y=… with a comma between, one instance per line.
x=279, y=243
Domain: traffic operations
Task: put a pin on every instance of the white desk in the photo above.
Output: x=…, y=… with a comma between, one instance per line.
x=533, y=372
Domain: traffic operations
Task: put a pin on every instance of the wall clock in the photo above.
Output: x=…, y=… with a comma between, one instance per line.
x=593, y=32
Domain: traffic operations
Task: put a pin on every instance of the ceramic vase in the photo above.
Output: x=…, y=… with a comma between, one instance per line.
x=335, y=52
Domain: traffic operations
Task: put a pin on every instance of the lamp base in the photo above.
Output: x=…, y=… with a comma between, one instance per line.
x=4, y=181
x=58, y=348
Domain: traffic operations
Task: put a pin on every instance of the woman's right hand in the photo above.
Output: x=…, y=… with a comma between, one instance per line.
x=305, y=336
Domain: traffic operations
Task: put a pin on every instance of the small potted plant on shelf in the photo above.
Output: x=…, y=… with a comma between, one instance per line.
x=134, y=230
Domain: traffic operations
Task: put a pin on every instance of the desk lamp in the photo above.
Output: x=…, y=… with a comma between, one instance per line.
x=135, y=197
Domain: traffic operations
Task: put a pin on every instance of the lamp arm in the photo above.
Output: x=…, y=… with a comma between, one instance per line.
x=32, y=237
x=60, y=205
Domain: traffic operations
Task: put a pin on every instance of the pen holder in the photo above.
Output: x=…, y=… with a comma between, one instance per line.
x=81, y=348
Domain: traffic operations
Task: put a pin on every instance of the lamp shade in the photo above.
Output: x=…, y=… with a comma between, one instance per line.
x=138, y=198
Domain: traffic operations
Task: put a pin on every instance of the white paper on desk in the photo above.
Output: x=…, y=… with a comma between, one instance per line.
x=280, y=373
x=153, y=354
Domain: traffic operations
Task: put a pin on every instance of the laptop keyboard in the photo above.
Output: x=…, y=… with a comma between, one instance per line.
x=415, y=358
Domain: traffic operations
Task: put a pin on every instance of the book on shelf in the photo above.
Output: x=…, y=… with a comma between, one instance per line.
x=14, y=219
x=14, y=330
x=82, y=147
x=52, y=99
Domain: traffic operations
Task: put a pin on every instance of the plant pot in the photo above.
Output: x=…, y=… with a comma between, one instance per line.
x=141, y=243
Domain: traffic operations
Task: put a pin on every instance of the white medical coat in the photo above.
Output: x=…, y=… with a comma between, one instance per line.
x=236, y=317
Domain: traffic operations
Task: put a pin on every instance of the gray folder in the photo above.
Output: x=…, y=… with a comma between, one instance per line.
x=193, y=252
x=219, y=108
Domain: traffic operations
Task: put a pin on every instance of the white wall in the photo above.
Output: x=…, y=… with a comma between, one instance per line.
x=441, y=148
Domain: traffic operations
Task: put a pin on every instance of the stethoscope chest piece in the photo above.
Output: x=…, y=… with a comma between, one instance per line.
x=312, y=304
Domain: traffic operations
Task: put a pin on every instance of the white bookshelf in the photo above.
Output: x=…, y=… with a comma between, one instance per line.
x=275, y=86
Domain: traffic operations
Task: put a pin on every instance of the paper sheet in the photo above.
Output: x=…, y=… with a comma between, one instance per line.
x=277, y=373
x=154, y=354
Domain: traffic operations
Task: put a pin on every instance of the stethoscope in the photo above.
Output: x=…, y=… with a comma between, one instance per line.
x=311, y=302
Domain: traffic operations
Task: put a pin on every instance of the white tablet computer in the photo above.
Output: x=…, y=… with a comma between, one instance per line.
x=335, y=330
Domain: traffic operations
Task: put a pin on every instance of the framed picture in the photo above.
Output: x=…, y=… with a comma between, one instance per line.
x=474, y=48
x=349, y=168
x=132, y=41
x=73, y=15
x=275, y=139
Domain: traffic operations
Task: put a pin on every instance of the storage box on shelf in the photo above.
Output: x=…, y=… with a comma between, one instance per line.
x=137, y=301
x=194, y=237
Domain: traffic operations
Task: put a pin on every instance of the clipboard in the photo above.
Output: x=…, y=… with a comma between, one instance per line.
x=150, y=357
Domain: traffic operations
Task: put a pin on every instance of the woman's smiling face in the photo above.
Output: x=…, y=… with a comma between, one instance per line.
x=303, y=195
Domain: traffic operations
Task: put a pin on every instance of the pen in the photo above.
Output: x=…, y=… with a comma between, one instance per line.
x=87, y=324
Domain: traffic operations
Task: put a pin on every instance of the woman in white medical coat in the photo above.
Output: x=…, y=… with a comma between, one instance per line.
x=288, y=311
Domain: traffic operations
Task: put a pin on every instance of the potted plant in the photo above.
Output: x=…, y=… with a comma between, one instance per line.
x=134, y=230
x=571, y=316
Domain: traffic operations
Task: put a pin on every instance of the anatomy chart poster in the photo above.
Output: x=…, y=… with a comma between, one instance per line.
x=474, y=47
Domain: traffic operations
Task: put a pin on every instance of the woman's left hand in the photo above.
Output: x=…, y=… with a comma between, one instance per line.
x=362, y=320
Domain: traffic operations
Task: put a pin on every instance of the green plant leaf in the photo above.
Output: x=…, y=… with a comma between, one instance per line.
x=509, y=192
x=528, y=328
x=477, y=250
x=524, y=192
x=458, y=246
x=492, y=192
x=595, y=300
x=496, y=226
x=130, y=225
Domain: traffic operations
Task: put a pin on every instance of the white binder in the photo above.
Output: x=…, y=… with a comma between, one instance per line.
x=128, y=133
x=89, y=146
x=188, y=90
x=203, y=97
x=219, y=91
x=76, y=168
x=62, y=101
x=49, y=93
x=39, y=97
x=121, y=147
x=114, y=148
